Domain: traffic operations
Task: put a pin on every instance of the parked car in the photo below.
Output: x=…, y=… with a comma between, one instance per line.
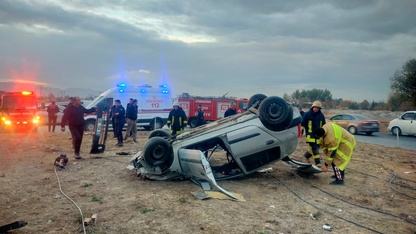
x=405, y=124
x=249, y=141
x=356, y=123
x=43, y=114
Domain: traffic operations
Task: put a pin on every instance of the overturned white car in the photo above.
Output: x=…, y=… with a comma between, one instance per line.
x=267, y=132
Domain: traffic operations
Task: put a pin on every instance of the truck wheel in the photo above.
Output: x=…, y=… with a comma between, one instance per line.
x=89, y=126
x=160, y=133
x=159, y=124
x=193, y=122
x=158, y=152
x=255, y=100
x=274, y=113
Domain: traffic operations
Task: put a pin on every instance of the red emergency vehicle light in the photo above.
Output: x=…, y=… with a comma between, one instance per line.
x=26, y=93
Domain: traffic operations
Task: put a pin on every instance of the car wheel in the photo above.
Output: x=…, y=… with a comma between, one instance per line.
x=369, y=133
x=160, y=133
x=274, y=113
x=255, y=100
x=352, y=130
x=159, y=124
x=158, y=152
x=193, y=122
x=396, y=131
x=89, y=126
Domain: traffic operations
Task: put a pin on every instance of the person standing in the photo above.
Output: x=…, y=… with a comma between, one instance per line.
x=74, y=115
x=312, y=120
x=302, y=113
x=131, y=119
x=200, y=117
x=119, y=121
x=338, y=145
x=52, y=110
x=231, y=110
x=177, y=120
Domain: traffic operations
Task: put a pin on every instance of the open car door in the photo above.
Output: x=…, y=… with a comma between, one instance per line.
x=195, y=165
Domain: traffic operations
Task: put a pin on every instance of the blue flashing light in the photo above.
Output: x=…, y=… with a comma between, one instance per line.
x=143, y=90
x=121, y=90
x=165, y=91
x=163, y=86
x=121, y=85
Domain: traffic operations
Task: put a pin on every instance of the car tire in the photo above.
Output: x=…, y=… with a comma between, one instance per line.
x=158, y=152
x=352, y=130
x=396, y=131
x=255, y=101
x=193, y=122
x=160, y=133
x=89, y=126
x=275, y=114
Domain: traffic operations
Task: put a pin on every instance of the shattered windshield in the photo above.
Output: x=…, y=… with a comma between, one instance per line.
x=19, y=102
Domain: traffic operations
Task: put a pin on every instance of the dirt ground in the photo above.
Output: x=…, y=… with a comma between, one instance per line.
x=379, y=194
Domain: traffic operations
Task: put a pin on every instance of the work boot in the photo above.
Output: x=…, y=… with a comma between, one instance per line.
x=337, y=182
x=78, y=157
x=308, y=157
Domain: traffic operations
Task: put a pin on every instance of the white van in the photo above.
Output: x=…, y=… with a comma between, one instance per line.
x=154, y=104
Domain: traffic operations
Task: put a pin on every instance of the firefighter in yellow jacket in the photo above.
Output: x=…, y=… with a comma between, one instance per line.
x=338, y=145
x=177, y=120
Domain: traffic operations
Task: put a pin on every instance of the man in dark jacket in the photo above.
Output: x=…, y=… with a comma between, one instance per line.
x=112, y=110
x=200, y=120
x=131, y=118
x=74, y=115
x=52, y=110
x=231, y=110
x=177, y=120
x=312, y=120
x=119, y=121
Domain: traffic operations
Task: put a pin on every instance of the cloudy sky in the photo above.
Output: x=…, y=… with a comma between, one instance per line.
x=209, y=47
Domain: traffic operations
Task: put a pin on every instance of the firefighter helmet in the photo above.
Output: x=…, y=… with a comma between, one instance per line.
x=317, y=104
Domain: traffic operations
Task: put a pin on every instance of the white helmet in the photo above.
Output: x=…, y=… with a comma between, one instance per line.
x=176, y=103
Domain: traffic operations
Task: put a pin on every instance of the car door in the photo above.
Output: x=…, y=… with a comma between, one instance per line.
x=406, y=121
x=413, y=124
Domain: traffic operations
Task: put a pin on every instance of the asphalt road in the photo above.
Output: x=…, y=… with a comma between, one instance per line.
x=387, y=139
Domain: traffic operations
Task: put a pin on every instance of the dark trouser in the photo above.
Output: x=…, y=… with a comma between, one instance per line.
x=51, y=122
x=77, y=133
x=119, y=132
x=313, y=151
x=339, y=175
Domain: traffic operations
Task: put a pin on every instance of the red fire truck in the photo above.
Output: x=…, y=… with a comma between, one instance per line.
x=19, y=110
x=213, y=107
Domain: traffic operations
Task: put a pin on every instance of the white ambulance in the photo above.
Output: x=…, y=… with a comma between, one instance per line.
x=154, y=104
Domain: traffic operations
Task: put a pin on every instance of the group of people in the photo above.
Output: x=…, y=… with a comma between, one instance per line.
x=120, y=116
x=336, y=142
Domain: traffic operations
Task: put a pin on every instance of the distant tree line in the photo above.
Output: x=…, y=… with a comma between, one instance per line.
x=401, y=98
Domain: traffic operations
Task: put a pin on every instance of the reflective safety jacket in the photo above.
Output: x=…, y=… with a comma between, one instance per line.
x=310, y=122
x=338, y=145
x=177, y=121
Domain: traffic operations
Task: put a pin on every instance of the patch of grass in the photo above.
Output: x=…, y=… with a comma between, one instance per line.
x=317, y=214
x=183, y=200
x=145, y=211
x=85, y=185
x=96, y=199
